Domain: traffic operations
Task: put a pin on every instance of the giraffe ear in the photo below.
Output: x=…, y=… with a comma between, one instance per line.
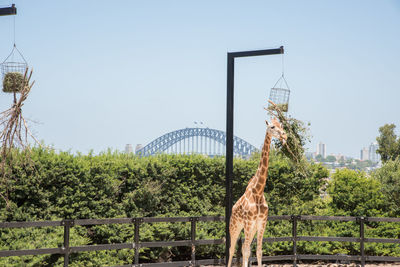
x=266, y=122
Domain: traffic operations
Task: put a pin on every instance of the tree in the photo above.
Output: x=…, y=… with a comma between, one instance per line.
x=330, y=158
x=389, y=176
x=319, y=158
x=353, y=193
x=388, y=142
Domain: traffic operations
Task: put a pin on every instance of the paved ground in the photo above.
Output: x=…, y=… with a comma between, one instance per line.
x=335, y=265
x=326, y=265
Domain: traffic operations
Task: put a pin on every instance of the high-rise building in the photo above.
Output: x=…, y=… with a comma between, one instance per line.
x=138, y=147
x=128, y=149
x=373, y=156
x=321, y=149
x=364, y=154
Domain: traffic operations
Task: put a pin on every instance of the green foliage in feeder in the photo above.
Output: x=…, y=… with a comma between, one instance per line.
x=283, y=107
x=13, y=82
x=297, y=136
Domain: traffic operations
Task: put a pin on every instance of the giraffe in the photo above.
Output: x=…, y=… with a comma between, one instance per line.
x=251, y=210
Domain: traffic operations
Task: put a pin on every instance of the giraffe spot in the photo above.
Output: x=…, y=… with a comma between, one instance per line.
x=258, y=187
x=265, y=161
x=263, y=208
x=263, y=171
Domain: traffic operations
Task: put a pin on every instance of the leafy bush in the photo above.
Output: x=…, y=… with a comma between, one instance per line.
x=353, y=193
x=53, y=186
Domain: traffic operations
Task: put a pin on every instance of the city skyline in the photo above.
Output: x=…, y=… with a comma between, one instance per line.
x=366, y=153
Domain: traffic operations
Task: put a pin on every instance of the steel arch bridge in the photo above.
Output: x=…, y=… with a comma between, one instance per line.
x=196, y=141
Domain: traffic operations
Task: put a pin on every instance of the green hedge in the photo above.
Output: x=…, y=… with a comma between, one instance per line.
x=53, y=186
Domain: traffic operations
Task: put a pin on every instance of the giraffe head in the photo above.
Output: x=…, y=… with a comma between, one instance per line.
x=276, y=130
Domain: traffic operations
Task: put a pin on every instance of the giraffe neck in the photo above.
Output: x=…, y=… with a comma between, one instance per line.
x=262, y=171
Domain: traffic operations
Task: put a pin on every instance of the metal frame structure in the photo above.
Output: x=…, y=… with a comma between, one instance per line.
x=66, y=249
x=6, y=11
x=229, y=127
x=240, y=147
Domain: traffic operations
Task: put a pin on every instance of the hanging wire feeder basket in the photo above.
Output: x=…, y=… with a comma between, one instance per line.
x=7, y=67
x=13, y=72
x=280, y=95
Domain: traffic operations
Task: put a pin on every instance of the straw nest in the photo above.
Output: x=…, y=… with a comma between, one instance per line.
x=282, y=107
x=13, y=82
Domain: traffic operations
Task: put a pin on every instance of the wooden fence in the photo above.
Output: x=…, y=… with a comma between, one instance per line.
x=66, y=249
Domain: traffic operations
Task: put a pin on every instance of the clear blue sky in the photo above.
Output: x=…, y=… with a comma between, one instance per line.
x=110, y=73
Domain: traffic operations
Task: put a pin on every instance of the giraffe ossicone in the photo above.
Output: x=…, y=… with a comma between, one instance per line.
x=250, y=212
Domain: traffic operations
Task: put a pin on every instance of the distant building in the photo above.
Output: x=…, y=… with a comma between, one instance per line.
x=364, y=154
x=138, y=147
x=128, y=149
x=321, y=149
x=373, y=156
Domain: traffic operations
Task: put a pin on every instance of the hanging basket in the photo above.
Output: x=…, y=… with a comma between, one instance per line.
x=13, y=72
x=280, y=95
x=13, y=82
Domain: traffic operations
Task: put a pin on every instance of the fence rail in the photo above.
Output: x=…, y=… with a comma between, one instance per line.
x=66, y=249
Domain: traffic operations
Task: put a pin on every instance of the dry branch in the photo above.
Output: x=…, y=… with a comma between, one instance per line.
x=14, y=130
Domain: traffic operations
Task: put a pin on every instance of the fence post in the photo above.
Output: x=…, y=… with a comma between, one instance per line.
x=193, y=221
x=362, y=240
x=137, y=246
x=294, y=219
x=67, y=225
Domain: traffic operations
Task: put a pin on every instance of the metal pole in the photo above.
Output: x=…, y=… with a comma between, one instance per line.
x=229, y=132
x=229, y=152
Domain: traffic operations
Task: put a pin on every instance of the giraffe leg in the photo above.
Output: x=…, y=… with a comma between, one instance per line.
x=260, y=234
x=234, y=232
x=249, y=232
